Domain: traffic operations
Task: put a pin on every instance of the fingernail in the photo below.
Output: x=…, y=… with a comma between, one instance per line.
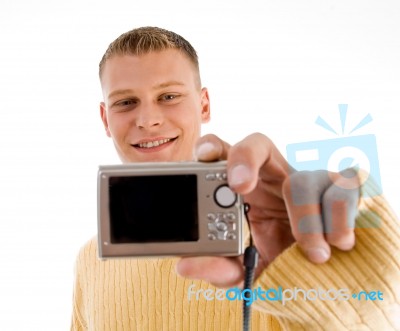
x=204, y=149
x=239, y=175
x=317, y=255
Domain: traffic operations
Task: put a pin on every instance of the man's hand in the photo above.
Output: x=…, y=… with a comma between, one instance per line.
x=315, y=209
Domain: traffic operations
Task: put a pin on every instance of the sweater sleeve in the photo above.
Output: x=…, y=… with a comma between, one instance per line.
x=355, y=290
x=78, y=321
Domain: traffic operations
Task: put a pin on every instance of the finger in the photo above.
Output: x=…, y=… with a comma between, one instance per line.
x=256, y=157
x=340, y=209
x=302, y=193
x=211, y=148
x=219, y=271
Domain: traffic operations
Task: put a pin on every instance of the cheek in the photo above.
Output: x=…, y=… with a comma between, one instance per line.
x=193, y=120
x=193, y=136
x=117, y=126
x=192, y=126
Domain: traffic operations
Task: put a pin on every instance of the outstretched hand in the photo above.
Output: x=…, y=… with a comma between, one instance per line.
x=316, y=209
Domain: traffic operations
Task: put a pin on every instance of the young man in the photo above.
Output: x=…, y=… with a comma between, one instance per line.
x=153, y=108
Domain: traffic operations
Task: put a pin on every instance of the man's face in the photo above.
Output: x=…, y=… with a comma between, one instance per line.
x=153, y=107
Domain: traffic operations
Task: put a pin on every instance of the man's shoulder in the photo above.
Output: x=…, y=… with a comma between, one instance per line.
x=88, y=250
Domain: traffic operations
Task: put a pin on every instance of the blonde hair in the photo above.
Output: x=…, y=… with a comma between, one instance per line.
x=148, y=39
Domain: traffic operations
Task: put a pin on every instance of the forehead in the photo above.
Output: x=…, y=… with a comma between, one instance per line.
x=153, y=68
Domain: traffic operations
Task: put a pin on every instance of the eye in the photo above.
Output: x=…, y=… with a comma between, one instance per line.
x=169, y=97
x=126, y=103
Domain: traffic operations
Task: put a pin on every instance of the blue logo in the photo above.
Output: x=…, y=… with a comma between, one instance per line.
x=338, y=154
x=359, y=152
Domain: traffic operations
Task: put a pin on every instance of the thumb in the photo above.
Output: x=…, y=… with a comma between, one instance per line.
x=219, y=271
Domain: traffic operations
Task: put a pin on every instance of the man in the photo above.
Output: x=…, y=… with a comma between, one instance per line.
x=153, y=108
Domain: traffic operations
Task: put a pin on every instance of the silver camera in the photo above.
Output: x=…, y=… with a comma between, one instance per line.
x=168, y=209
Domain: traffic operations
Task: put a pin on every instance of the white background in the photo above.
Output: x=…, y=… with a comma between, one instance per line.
x=271, y=66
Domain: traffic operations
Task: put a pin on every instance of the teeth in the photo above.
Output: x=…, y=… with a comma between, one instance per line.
x=151, y=144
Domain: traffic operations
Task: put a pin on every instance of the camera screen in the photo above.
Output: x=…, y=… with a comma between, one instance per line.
x=153, y=209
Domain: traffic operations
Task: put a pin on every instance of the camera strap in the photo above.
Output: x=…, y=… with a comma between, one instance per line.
x=250, y=263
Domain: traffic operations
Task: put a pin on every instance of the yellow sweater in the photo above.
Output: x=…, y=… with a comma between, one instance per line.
x=146, y=294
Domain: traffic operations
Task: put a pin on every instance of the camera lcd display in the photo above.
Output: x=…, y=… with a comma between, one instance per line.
x=153, y=208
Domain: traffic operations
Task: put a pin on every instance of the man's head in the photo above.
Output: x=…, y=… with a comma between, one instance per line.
x=144, y=40
x=153, y=101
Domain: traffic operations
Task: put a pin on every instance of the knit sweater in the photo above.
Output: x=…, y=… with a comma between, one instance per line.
x=355, y=290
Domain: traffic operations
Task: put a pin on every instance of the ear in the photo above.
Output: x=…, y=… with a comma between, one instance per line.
x=103, y=114
x=205, y=105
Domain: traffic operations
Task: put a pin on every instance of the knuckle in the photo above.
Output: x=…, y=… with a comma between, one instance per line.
x=309, y=225
x=210, y=137
x=347, y=179
x=335, y=194
x=303, y=187
x=258, y=136
x=301, y=180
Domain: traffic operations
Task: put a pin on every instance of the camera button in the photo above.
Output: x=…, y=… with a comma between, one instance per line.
x=212, y=236
x=211, y=217
x=231, y=217
x=210, y=177
x=231, y=236
x=221, y=176
x=222, y=235
x=222, y=226
x=224, y=196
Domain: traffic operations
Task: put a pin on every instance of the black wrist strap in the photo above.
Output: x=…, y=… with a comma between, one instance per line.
x=250, y=263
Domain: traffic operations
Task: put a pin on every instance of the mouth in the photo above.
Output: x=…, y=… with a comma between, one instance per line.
x=152, y=144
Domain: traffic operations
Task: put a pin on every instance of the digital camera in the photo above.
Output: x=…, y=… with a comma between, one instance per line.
x=168, y=209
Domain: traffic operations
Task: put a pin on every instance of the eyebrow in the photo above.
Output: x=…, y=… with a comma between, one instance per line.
x=157, y=87
x=168, y=84
x=119, y=92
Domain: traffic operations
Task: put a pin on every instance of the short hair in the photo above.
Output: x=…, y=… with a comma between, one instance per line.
x=148, y=39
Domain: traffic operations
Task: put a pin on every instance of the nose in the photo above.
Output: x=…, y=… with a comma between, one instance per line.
x=148, y=116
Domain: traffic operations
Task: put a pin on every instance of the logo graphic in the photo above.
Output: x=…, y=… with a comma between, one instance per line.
x=280, y=294
x=336, y=155
x=358, y=152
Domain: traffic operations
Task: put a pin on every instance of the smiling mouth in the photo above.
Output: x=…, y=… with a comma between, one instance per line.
x=154, y=143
